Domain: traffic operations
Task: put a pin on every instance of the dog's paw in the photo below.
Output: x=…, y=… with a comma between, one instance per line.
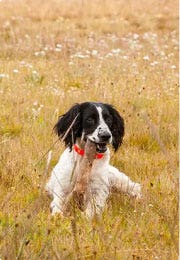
x=54, y=208
x=136, y=191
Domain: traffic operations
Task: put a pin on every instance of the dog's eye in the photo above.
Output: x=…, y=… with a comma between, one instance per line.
x=108, y=120
x=90, y=121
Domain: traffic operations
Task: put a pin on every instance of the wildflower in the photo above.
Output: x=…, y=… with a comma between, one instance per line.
x=40, y=53
x=135, y=36
x=134, y=65
x=94, y=52
x=4, y=76
x=27, y=36
x=171, y=54
x=109, y=55
x=146, y=57
x=59, y=46
x=116, y=51
x=15, y=71
x=114, y=38
x=34, y=72
x=6, y=25
x=35, y=103
x=30, y=66
x=36, y=111
x=79, y=55
x=22, y=63
x=162, y=53
x=173, y=67
x=46, y=48
x=154, y=63
x=57, y=49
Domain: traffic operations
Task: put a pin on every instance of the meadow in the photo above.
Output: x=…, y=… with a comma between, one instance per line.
x=57, y=53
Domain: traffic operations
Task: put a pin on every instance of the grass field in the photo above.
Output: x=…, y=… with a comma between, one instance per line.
x=54, y=54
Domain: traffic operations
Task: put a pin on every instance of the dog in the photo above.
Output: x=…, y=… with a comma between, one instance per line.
x=101, y=124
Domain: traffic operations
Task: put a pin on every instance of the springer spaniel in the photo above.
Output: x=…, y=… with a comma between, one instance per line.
x=101, y=124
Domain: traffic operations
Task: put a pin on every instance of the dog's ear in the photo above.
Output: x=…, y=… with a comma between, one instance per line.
x=117, y=127
x=62, y=127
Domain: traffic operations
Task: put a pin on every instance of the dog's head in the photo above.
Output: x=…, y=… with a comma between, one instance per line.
x=99, y=122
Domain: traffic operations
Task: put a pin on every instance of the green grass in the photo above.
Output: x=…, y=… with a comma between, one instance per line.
x=54, y=55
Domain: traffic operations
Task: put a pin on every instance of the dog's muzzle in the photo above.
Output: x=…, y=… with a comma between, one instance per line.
x=103, y=139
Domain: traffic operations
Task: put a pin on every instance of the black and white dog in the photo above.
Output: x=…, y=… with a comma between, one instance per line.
x=103, y=125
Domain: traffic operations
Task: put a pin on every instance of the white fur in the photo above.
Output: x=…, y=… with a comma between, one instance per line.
x=102, y=127
x=103, y=178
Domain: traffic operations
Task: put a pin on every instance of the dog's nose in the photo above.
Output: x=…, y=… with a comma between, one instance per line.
x=104, y=137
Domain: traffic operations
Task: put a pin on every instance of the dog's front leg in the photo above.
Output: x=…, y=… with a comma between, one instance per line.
x=58, y=195
x=121, y=182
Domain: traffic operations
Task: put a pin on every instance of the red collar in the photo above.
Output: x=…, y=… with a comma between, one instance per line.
x=81, y=152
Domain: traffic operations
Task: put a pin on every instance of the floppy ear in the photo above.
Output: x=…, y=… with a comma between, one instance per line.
x=65, y=121
x=117, y=127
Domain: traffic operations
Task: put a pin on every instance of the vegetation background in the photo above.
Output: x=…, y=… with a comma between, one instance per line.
x=54, y=54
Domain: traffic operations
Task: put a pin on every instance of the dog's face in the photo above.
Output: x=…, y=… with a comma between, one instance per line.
x=96, y=123
x=99, y=122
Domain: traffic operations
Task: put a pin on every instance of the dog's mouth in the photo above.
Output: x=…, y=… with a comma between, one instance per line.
x=101, y=147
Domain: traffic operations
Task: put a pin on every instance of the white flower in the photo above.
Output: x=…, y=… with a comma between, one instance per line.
x=109, y=55
x=173, y=67
x=34, y=72
x=59, y=46
x=154, y=63
x=116, y=51
x=46, y=48
x=57, y=49
x=15, y=71
x=40, y=53
x=146, y=57
x=79, y=55
x=35, y=103
x=135, y=36
x=94, y=52
x=4, y=76
x=27, y=36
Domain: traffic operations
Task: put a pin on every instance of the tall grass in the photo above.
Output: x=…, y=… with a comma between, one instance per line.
x=54, y=54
